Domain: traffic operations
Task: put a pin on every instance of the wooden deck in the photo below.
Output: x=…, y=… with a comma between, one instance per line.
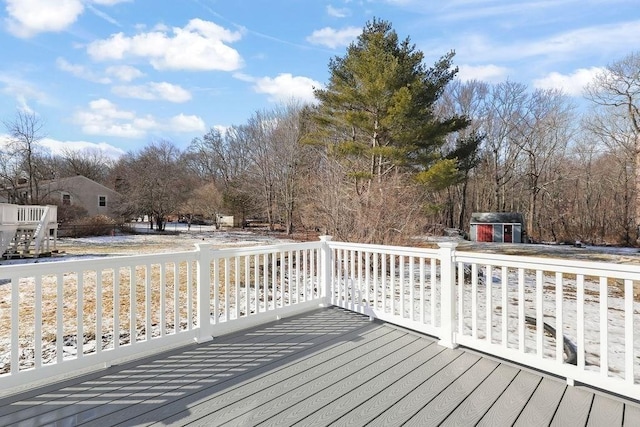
x=325, y=367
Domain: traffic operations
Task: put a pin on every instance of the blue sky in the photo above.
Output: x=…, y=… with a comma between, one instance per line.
x=119, y=74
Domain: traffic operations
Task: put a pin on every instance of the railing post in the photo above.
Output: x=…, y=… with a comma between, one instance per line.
x=326, y=261
x=447, y=294
x=204, y=293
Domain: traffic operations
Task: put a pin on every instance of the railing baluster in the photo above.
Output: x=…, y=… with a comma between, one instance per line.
x=189, y=268
x=116, y=307
x=412, y=290
x=59, y=317
x=489, y=303
x=392, y=277
x=148, y=303
x=376, y=285
x=247, y=284
x=352, y=279
x=37, y=335
x=402, y=287
x=297, y=274
x=367, y=277
x=386, y=282
x=265, y=281
x=580, y=319
x=256, y=282
x=539, y=313
x=15, y=322
x=521, y=311
x=629, y=356
x=79, y=314
x=236, y=286
x=505, y=307
x=433, y=284
x=306, y=277
x=559, y=317
x=176, y=300
x=227, y=289
x=474, y=301
x=422, y=291
x=460, y=296
x=163, y=298
x=99, y=310
x=216, y=291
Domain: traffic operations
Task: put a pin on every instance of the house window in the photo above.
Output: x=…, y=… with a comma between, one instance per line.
x=66, y=199
x=102, y=201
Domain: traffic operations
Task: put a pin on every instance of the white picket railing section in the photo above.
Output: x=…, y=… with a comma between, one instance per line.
x=522, y=309
x=41, y=218
x=62, y=318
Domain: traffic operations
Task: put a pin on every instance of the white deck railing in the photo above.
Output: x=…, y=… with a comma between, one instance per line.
x=61, y=318
x=41, y=219
x=27, y=214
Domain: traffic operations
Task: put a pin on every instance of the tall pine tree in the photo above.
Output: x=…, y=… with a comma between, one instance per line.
x=376, y=113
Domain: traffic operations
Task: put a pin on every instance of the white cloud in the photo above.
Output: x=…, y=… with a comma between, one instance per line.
x=103, y=117
x=57, y=147
x=571, y=84
x=154, y=91
x=337, y=12
x=285, y=87
x=486, y=73
x=104, y=16
x=81, y=71
x=184, y=123
x=125, y=73
x=333, y=38
x=612, y=39
x=109, y=2
x=199, y=46
x=22, y=91
x=26, y=18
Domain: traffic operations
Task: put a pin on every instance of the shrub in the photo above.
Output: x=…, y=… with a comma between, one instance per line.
x=98, y=225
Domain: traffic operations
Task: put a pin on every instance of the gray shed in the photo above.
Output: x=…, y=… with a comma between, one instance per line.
x=498, y=227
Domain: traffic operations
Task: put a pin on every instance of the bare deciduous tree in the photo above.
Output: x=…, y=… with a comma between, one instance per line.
x=617, y=90
x=19, y=157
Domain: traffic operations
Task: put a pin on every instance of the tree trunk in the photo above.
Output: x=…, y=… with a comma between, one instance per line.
x=637, y=188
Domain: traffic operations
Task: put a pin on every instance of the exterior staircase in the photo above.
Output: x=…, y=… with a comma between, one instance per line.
x=27, y=231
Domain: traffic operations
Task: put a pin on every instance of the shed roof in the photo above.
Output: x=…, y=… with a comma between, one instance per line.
x=496, y=218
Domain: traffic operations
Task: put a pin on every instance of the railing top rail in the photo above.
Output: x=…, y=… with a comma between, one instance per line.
x=90, y=263
x=398, y=250
x=260, y=250
x=570, y=266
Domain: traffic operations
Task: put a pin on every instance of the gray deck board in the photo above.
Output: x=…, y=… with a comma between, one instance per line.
x=385, y=398
x=325, y=367
x=438, y=409
x=543, y=403
x=477, y=403
x=231, y=389
x=406, y=407
x=279, y=392
x=631, y=415
x=605, y=411
x=513, y=399
x=574, y=407
x=320, y=394
x=374, y=393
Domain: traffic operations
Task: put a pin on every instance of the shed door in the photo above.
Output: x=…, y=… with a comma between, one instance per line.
x=507, y=234
x=485, y=233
